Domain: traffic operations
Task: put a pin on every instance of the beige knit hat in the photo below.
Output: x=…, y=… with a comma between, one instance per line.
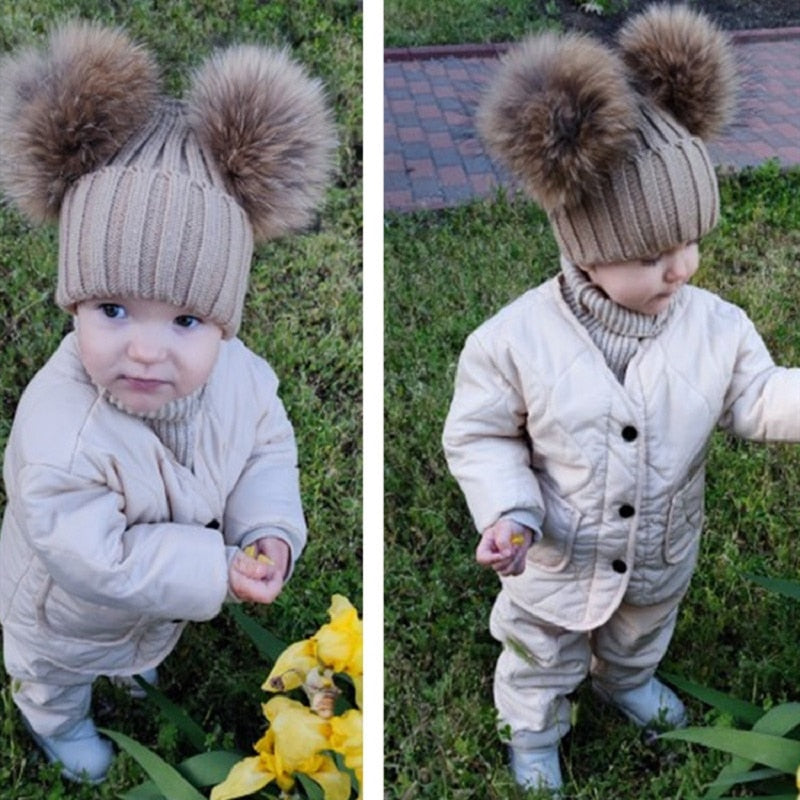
x=611, y=144
x=158, y=198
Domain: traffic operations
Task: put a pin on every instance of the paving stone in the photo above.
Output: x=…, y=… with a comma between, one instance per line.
x=434, y=159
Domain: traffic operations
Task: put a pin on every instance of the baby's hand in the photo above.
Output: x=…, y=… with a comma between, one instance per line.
x=257, y=573
x=503, y=547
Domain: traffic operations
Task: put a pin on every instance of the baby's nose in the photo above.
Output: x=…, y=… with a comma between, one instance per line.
x=145, y=346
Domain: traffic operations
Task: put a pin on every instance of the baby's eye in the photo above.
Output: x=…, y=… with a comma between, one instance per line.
x=187, y=321
x=113, y=310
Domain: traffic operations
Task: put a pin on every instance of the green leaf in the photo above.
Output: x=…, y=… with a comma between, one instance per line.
x=771, y=751
x=205, y=769
x=744, y=777
x=208, y=769
x=267, y=644
x=779, y=720
x=784, y=587
x=312, y=789
x=168, y=780
x=736, y=766
x=175, y=714
x=792, y=796
x=144, y=791
x=739, y=709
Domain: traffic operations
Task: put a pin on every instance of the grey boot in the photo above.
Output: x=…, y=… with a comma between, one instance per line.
x=650, y=705
x=83, y=754
x=537, y=769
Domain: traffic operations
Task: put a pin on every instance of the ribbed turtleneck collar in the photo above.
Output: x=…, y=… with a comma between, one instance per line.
x=173, y=423
x=616, y=330
x=613, y=317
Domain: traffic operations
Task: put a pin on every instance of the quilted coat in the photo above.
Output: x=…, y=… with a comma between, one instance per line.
x=109, y=544
x=613, y=474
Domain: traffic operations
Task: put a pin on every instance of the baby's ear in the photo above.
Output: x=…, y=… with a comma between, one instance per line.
x=268, y=127
x=66, y=108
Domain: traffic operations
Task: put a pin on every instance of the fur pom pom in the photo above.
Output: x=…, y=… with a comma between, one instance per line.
x=268, y=127
x=559, y=116
x=683, y=63
x=66, y=109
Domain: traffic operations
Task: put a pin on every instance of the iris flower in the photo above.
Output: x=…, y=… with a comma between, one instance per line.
x=338, y=645
x=292, y=666
x=299, y=739
x=294, y=743
x=340, y=642
x=347, y=739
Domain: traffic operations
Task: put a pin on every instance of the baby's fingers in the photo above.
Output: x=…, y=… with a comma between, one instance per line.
x=250, y=567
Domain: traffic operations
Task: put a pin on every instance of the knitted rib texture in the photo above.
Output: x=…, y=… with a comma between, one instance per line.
x=662, y=195
x=156, y=223
x=616, y=330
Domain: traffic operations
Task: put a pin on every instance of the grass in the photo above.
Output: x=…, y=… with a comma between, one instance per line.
x=447, y=271
x=410, y=23
x=303, y=314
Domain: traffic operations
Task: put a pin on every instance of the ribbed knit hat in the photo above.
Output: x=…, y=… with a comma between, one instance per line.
x=158, y=198
x=611, y=143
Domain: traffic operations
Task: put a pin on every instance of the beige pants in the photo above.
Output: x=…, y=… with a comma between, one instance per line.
x=51, y=709
x=541, y=664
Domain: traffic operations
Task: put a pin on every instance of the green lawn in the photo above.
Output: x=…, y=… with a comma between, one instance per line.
x=303, y=314
x=444, y=273
x=417, y=22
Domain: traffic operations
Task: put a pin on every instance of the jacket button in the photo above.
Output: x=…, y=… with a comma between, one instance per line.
x=629, y=433
x=618, y=565
x=626, y=511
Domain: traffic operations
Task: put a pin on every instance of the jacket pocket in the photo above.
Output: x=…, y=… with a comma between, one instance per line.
x=553, y=551
x=685, y=519
x=68, y=617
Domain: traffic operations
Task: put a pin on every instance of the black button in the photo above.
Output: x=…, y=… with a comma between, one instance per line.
x=618, y=565
x=629, y=433
x=626, y=511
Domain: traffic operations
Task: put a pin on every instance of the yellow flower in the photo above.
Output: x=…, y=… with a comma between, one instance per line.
x=321, y=691
x=246, y=777
x=250, y=550
x=347, y=738
x=292, y=666
x=299, y=738
x=292, y=744
x=340, y=642
x=300, y=735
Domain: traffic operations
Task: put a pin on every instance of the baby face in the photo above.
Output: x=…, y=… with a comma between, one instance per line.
x=145, y=352
x=647, y=285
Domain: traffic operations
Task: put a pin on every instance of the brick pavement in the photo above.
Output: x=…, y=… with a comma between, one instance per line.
x=432, y=158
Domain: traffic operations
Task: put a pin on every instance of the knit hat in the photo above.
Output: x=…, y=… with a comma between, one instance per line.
x=611, y=143
x=158, y=198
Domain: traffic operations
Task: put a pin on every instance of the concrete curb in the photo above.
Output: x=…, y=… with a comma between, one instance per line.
x=492, y=50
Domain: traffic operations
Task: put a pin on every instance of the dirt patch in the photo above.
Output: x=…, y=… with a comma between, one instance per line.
x=731, y=15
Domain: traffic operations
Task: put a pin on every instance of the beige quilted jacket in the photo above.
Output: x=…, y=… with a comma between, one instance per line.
x=109, y=545
x=613, y=475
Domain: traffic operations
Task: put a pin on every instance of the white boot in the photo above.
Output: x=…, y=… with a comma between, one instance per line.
x=650, y=705
x=83, y=754
x=537, y=769
x=134, y=690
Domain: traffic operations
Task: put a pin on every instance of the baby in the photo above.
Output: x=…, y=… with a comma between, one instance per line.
x=582, y=411
x=152, y=448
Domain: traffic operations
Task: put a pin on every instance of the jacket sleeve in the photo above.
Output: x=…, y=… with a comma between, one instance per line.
x=265, y=500
x=485, y=441
x=763, y=400
x=77, y=527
